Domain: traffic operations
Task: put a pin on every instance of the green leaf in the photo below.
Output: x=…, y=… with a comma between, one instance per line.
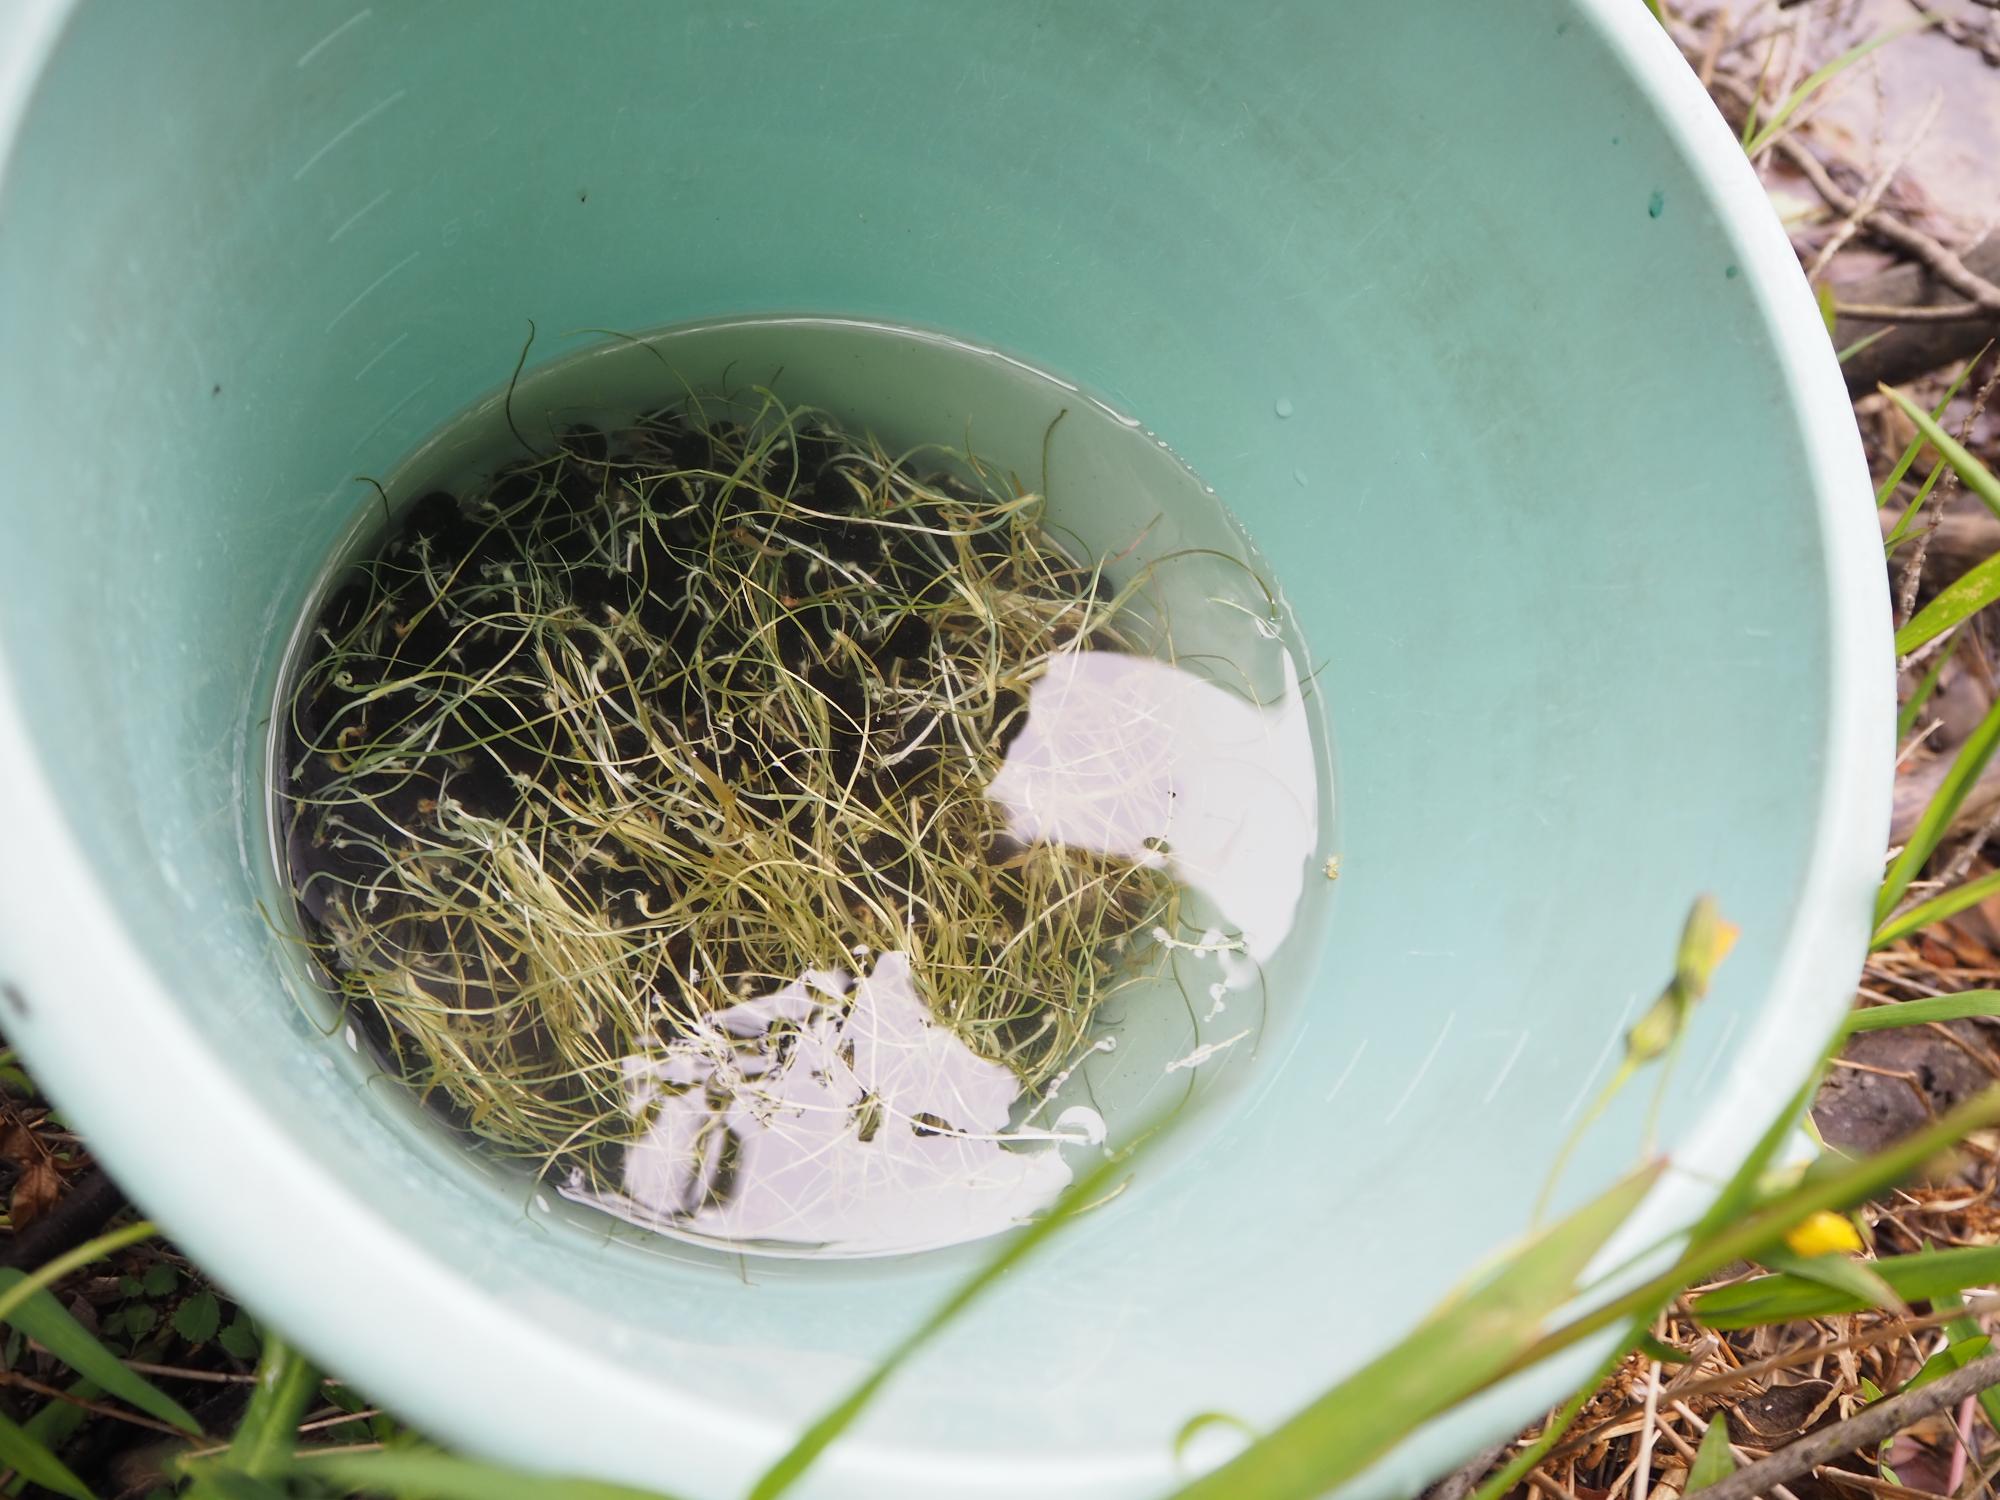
x=1963, y=1327
x=1916, y=444
x=1508, y=1477
x=1739, y=1195
x=1712, y=1460
x=198, y=1318
x=161, y=1279
x=213, y=1482
x=138, y=1320
x=1937, y=815
x=1862, y=343
x=443, y=1476
x=49, y=1324
x=239, y=1340
x=1953, y=1356
x=58, y=1421
x=1731, y=1204
x=1948, y=904
x=1922, y=1276
x=1822, y=76
x=1906, y=716
x=25, y=1455
x=1461, y=1347
x=1973, y=474
x=1838, y=1273
x=18, y=1288
x=1721, y=1241
x=1653, y=1349
x=815, y=1440
x=1966, y=595
x=1828, y=313
x=262, y=1447
x=131, y=1286
x=1900, y=532
x=1200, y=1422
x=1959, y=1007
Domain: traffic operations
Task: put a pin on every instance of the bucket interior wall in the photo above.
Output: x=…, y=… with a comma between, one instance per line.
x=1535, y=505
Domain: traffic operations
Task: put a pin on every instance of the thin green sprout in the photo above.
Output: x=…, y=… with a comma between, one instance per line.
x=650, y=725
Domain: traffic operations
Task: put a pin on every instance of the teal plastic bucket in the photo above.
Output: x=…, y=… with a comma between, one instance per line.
x=1569, y=505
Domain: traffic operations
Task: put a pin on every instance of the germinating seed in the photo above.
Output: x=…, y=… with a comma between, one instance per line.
x=750, y=828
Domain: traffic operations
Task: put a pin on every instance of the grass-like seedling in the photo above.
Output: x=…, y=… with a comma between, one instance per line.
x=665, y=719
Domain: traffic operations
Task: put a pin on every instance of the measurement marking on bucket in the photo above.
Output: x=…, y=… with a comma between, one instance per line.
x=1520, y=1046
x=369, y=289
x=383, y=353
x=1603, y=1057
x=1410, y=1090
x=332, y=36
x=359, y=214
x=1341, y=1082
x=346, y=130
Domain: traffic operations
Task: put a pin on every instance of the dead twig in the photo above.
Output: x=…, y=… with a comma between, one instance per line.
x=1461, y=1481
x=95, y=1408
x=1945, y=265
x=1871, y=196
x=1884, y=312
x=1872, y=1424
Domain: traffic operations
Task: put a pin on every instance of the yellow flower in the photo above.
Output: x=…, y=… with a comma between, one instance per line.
x=1822, y=1234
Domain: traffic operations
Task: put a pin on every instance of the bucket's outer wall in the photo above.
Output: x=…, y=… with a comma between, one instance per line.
x=1568, y=504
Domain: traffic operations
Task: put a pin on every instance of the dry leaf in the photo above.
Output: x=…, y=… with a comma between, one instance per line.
x=35, y=1193
x=18, y=1145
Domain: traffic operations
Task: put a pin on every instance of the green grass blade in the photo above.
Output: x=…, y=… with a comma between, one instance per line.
x=27, y=1304
x=1916, y=444
x=1459, y=1349
x=1921, y=1276
x=815, y=1440
x=1734, y=1199
x=25, y=1455
x=1653, y=1349
x=1936, y=820
x=1739, y=1194
x=262, y=1447
x=1862, y=343
x=1722, y=1241
x=1956, y=1355
x=74, y=1260
x=1964, y=1327
x=1712, y=1460
x=1820, y=77
x=1843, y=1274
x=1962, y=1006
x=1900, y=532
x=443, y=1476
x=1973, y=474
x=1967, y=594
x=1504, y=1480
x=1906, y=717
x=49, y=1324
x=213, y=1482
